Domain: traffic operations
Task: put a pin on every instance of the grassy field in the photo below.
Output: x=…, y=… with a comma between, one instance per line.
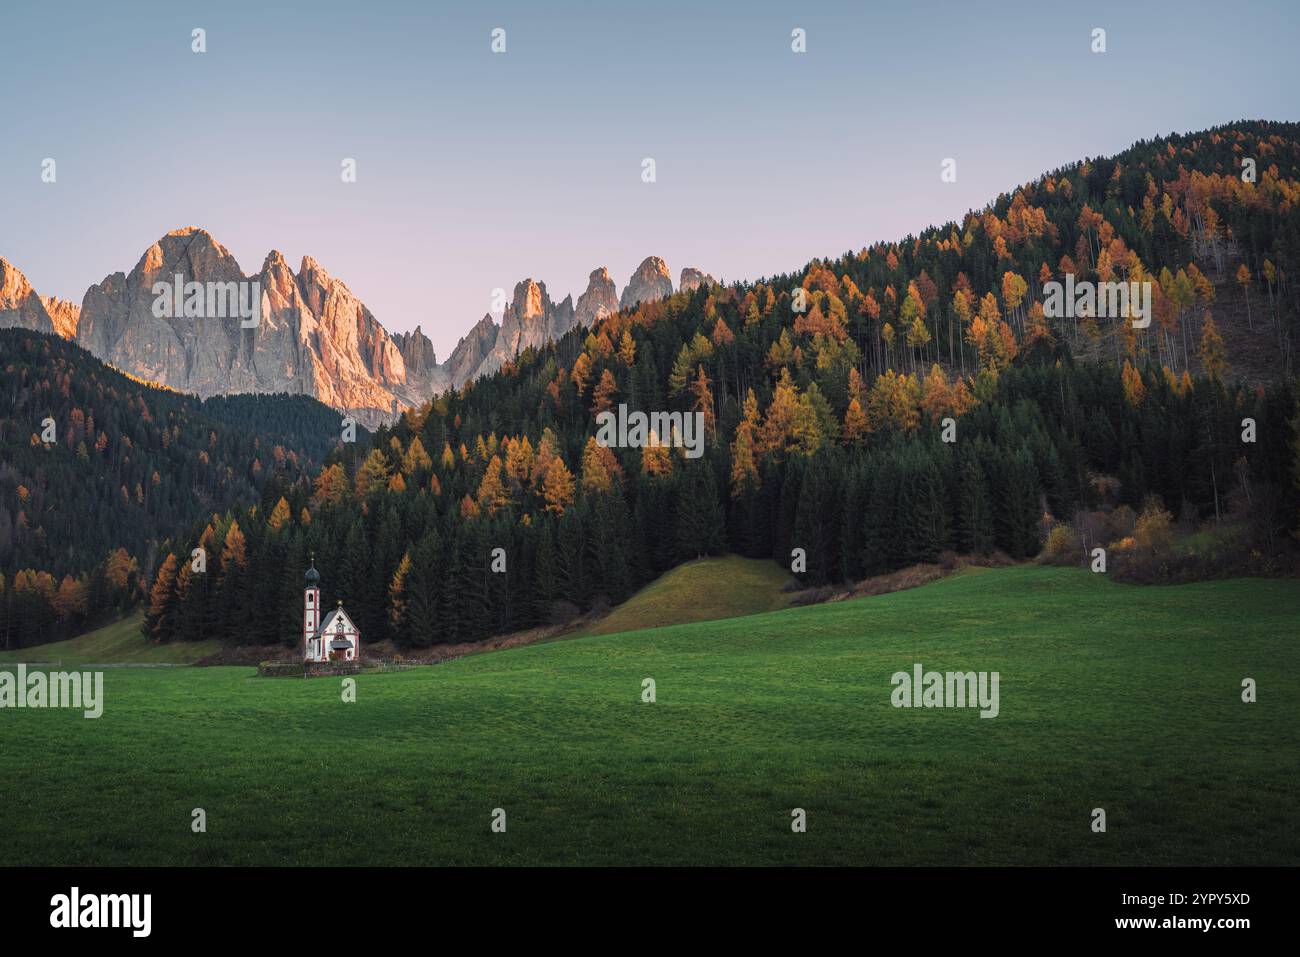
x=706, y=589
x=1112, y=696
x=118, y=643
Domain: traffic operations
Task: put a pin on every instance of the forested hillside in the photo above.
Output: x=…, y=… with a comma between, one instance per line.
x=825, y=394
x=126, y=467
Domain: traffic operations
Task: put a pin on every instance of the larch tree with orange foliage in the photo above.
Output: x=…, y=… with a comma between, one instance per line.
x=855, y=422
x=655, y=460
x=581, y=373
x=936, y=394
x=1243, y=280
x=492, y=492
x=557, y=487
x=702, y=400
x=1134, y=389
x=1212, y=352
x=603, y=397
x=627, y=349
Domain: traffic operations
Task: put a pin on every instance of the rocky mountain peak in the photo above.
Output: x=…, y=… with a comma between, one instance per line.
x=650, y=283
x=600, y=299
x=531, y=320
x=471, y=351
x=312, y=335
x=693, y=279
x=530, y=301
x=64, y=314
x=19, y=304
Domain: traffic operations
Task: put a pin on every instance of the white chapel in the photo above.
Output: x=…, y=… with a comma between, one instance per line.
x=333, y=638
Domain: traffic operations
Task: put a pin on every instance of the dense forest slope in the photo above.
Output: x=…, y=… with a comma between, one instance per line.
x=98, y=470
x=870, y=411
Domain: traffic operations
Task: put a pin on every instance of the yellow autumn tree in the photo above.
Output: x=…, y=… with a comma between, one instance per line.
x=581, y=373
x=936, y=395
x=397, y=592
x=655, y=460
x=703, y=399
x=595, y=472
x=779, y=422
x=280, y=515
x=1134, y=390
x=519, y=459
x=1243, y=280
x=1212, y=352
x=547, y=452
x=855, y=422
x=492, y=492
x=606, y=389
x=161, y=594
x=894, y=402
x=557, y=487
x=627, y=349
x=744, y=447
x=331, y=486
x=416, y=458
x=234, y=553
x=372, y=476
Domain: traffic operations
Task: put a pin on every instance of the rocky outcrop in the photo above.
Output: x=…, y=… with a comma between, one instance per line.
x=362, y=366
x=304, y=333
x=650, y=283
x=530, y=321
x=188, y=317
x=19, y=304
x=64, y=314
x=465, y=360
x=423, y=374
x=693, y=279
x=600, y=299
x=119, y=325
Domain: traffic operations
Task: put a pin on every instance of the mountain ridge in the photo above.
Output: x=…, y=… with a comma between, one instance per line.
x=313, y=335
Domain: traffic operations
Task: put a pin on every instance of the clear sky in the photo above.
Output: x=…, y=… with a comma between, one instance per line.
x=475, y=170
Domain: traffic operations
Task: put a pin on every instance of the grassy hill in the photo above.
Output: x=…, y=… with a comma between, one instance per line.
x=118, y=643
x=703, y=590
x=1120, y=697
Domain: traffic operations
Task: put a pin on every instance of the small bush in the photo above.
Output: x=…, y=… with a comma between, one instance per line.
x=1062, y=547
x=1154, y=530
x=1122, y=522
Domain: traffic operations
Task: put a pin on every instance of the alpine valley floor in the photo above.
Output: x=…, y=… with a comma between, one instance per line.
x=1119, y=697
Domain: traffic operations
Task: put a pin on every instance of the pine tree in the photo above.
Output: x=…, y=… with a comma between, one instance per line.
x=545, y=580
x=700, y=527
x=977, y=533
x=817, y=519
x=423, y=618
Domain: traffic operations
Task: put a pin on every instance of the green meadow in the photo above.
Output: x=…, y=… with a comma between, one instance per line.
x=706, y=589
x=1111, y=696
x=118, y=643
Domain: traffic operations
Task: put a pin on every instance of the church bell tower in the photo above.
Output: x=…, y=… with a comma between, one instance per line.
x=311, y=613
